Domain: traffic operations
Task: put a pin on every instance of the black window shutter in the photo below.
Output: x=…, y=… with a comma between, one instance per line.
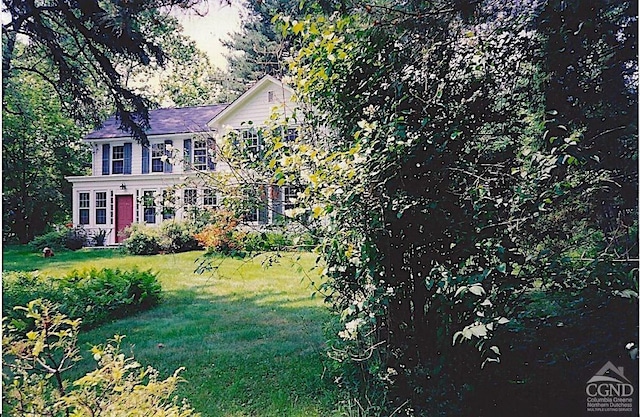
x=145, y=159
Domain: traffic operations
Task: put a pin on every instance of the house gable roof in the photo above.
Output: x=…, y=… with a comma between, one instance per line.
x=239, y=102
x=165, y=122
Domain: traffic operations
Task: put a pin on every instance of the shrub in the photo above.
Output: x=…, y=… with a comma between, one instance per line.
x=266, y=241
x=19, y=288
x=142, y=240
x=75, y=238
x=95, y=295
x=100, y=236
x=222, y=236
x=54, y=239
x=69, y=238
x=38, y=362
x=178, y=237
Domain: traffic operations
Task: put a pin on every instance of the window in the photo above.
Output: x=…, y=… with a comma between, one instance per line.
x=210, y=199
x=117, y=160
x=203, y=154
x=290, y=194
x=157, y=152
x=257, y=205
x=149, y=204
x=190, y=197
x=270, y=96
x=252, y=141
x=101, y=208
x=84, y=202
x=168, y=207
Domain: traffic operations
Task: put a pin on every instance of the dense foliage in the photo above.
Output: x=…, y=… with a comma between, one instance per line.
x=40, y=146
x=428, y=161
x=72, y=238
x=591, y=94
x=170, y=237
x=35, y=381
x=94, y=295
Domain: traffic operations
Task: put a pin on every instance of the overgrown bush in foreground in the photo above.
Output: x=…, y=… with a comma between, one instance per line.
x=37, y=362
x=428, y=169
x=95, y=295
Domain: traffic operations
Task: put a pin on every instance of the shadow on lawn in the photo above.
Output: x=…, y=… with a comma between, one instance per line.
x=244, y=354
x=547, y=363
x=14, y=258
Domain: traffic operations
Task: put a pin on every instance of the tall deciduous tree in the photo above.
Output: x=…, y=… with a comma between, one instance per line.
x=87, y=43
x=40, y=146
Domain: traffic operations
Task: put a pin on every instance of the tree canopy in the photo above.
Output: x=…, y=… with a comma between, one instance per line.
x=40, y=146
x=83, y=48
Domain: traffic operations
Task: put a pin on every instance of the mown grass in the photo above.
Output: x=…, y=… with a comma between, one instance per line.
x=250, y=338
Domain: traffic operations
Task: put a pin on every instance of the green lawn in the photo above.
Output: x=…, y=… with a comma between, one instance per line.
x=250, y=338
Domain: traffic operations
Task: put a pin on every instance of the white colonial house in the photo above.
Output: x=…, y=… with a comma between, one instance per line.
x=128, y=181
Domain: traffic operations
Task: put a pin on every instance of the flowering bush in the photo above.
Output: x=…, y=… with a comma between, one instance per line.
x=142, y=240
x=178, y=237
x=222, y=235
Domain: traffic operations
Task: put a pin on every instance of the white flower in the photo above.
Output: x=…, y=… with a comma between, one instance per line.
x=294, y=212
x=367, y=127
x=351, y=329
x=370, y=110
x=164, y=158
x=168, y=147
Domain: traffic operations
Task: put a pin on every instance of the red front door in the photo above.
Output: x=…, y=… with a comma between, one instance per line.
x=124, y=215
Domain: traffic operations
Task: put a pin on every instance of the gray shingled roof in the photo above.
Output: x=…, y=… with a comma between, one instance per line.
x=165, y=122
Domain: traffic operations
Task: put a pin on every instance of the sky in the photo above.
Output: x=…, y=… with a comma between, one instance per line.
x=208, y=30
